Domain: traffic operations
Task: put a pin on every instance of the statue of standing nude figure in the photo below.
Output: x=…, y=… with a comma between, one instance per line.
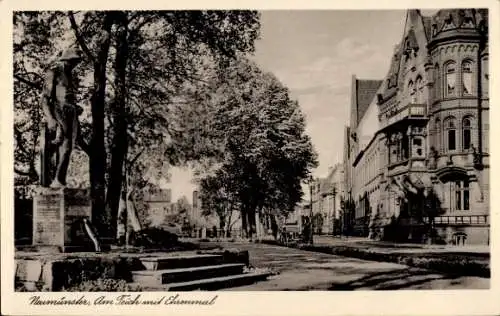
x=61, y=128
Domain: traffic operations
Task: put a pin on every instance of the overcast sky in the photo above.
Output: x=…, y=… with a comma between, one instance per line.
x=315, y=53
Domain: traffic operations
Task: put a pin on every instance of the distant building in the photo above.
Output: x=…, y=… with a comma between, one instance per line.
x=159, y=203
x=326, y=198
x=195, y=216
x=418, y=147
x=319, y=213
x=335, y=180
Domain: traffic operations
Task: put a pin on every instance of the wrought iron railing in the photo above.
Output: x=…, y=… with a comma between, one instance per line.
x=409, y=111
x=459, y=219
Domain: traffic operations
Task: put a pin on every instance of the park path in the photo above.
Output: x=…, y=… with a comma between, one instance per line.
x=305, y=270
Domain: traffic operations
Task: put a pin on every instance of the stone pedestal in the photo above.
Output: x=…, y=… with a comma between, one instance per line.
x=58, y=219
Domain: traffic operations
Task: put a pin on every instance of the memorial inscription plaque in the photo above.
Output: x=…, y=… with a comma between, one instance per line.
x=58, y=218
x=47, y=216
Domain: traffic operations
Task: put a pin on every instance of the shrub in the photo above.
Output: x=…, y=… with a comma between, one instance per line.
x=153, y=237
x=103, y=285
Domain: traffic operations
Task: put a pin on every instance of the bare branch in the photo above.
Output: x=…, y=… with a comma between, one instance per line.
x=132, y=162
x=28, y=82
x=20, y=141
x=79, y=37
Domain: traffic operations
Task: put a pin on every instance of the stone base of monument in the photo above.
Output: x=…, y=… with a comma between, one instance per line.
x=58, y=220
x=159, y=271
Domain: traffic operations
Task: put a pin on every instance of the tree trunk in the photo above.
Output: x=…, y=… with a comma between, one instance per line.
x=119, y=143
x=244, y=222
x=251, y=220
x=133, y=219
x=227, y=232
x=227, y=228
x=258, y=228
x=97, y=160
x=222, y=223
x=122, y=217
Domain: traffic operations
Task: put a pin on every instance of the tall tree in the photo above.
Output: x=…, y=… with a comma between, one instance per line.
x=254, y=133
x=218, y=195
x=155, y=53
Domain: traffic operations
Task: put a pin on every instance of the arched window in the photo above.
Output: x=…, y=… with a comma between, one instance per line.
x=419, y=90
x=436, y=82
x=450, y=79
x=466, y=133
x=451, y=136
x=411, y=91
x=437, y=131
x=467, y=77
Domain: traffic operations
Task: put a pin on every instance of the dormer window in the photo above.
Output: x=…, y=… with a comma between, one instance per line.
x=448, y=23
x=468, y=19
x=434, y=29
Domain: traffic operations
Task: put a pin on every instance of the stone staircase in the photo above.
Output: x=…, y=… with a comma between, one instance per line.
x=191, y=272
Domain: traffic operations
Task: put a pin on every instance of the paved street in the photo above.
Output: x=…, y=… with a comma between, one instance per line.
x=304, y=270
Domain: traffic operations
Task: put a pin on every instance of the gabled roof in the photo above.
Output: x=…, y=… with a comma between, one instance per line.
x=365, y=91
x=407, y=43
x=427, y=21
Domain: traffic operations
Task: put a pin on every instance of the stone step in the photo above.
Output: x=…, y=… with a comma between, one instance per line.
x=168, y=276
x=218, y=283
x=184, y=261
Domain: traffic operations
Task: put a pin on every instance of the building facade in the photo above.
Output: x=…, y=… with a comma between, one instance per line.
x=424, y=174
x=159, y=204
x=360, y=156
x=327, y=194
x=335, y=180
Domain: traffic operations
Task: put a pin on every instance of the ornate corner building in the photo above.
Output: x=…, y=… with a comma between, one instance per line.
x=423, y=172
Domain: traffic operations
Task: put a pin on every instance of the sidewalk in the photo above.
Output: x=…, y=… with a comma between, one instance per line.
x=313, y=270
x=390, y=247
x=464, y=261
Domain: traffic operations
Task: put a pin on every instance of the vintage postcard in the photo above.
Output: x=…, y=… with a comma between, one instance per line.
x=267, y=158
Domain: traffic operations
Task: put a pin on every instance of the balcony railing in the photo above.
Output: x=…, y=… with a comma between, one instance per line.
x=459, y=219
x=409, y=111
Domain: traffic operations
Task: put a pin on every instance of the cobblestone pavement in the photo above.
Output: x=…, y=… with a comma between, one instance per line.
x=304, y=270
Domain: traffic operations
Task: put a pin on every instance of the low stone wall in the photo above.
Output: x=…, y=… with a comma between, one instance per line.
x=46, y=274
x=58, y=272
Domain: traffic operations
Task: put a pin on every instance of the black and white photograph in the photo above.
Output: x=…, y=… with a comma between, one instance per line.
x=219, y=150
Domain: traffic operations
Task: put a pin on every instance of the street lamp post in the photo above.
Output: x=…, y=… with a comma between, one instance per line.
x=311, y=226
x=334, y=193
